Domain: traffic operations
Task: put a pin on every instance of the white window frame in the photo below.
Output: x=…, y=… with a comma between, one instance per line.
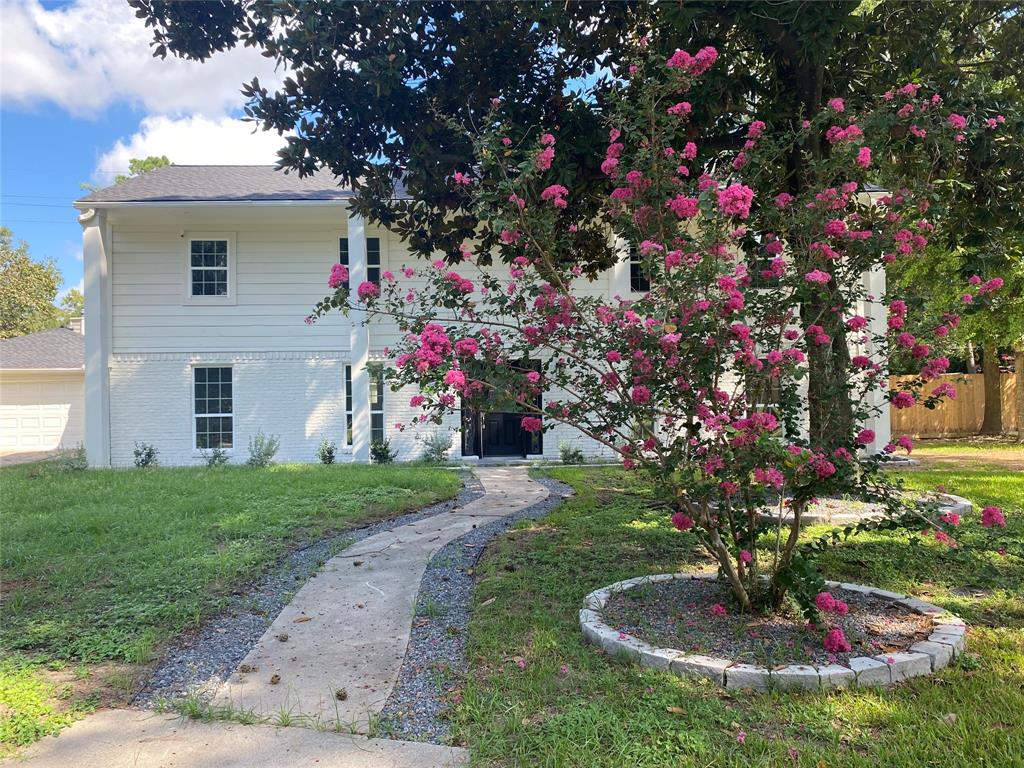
x=379, y=411
x=230, y=297
x=196, y=450
x=634, y=259
x=349, y=420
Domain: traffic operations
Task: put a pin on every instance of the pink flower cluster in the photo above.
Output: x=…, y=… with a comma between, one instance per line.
x=735, y=200
x=682, y=206
x=827, y=603
x=338, y=276
x=532, y=423
x=368, y=290
x=696, y=64
x=546, y=156
x=992, y=517
x=556, y=195
x=836, y=642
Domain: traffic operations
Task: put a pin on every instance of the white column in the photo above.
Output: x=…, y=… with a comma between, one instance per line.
x=359, y=342
x=619, y=282
x=874, y=283
x=96, y=288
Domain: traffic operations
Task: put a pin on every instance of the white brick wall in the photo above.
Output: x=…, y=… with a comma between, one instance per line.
x=298, y=396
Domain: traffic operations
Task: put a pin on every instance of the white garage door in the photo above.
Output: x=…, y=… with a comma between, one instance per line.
x=41, y=414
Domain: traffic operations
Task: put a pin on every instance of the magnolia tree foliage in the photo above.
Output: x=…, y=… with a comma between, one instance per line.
x=674, y=380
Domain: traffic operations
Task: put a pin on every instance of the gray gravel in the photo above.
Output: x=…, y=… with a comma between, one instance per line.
x=202, y=660
x=435, y=661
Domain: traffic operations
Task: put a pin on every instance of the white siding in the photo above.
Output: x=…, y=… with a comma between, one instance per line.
x=280, y=270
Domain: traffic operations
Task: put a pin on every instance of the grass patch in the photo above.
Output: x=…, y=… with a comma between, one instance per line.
x=102, y=567
x=541, y=697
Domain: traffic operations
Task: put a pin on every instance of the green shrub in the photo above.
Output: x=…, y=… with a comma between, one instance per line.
x=326, y=451
x=218, y=457
x=436, y=446
x=262, y=449
x=381, y=453
x=71, y=460
x=571, y=454
x=146, y=455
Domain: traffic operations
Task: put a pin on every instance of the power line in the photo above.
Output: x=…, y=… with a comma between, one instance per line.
x=34, y=197
x=37, y=205
x=40, y=221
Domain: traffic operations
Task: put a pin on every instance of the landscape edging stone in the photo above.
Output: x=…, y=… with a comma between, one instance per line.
x=946, y=641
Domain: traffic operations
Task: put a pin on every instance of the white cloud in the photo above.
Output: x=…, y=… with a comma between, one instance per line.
x=192, y=140
x=92, y=53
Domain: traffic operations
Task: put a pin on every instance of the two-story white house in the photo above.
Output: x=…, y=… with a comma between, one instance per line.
x=197, y=283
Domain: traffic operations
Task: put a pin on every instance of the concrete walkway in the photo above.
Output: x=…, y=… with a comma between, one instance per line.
x=332, y=656
x=328, y=662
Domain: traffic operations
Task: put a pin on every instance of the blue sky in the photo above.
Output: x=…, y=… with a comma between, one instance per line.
x=80, y=95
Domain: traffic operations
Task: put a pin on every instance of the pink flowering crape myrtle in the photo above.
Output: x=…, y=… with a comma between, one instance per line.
x=699, y=382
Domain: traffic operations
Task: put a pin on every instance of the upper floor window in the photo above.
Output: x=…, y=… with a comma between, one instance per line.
x=372, y=258
x=208, y=267
x=638, y=281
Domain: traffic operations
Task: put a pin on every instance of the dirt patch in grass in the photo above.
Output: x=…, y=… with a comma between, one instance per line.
x=109, y=684
x=697, y=616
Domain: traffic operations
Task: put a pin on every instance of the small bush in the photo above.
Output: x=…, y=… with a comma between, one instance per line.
x=71, y=460
x=571, y=454
x=262, y=449
x=436, y=446
x=381, y=453
x=146, y=455
x=326, y=451
x=218, y=457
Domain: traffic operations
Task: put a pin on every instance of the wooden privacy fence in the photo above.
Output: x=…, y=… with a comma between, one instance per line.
x=954, y=418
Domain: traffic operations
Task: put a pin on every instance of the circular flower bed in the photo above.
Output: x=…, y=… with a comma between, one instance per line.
x=846, y=511
x=877, y=637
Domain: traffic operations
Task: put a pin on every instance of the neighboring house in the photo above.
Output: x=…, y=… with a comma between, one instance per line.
x=41, y=391
x=197, y=283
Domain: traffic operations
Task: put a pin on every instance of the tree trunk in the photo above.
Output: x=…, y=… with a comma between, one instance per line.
x=828, y=399
x=992, y=423
x=1018, y=367
x=972, y=361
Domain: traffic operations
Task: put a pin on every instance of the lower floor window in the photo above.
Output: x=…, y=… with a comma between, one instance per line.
x=214, y=407
x=376, y=377
x=376, y=404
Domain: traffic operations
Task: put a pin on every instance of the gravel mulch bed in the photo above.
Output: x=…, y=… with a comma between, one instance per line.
x=678, y=614
x=435, y=661
x=201, y=661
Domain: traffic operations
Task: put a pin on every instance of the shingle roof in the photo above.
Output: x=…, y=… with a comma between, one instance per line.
x=59, y=348
x=183, y=183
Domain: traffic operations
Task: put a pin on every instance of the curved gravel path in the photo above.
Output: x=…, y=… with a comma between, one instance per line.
x=435, y=660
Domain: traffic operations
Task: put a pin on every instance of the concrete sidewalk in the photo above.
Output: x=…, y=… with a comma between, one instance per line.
x=119, y=738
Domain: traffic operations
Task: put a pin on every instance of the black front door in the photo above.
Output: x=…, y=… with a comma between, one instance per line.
x=497, y=433
x=503, y=434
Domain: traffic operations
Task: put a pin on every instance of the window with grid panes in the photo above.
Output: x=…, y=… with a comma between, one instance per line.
x=208, y=267
x=213, y=407
x=638, y=281
x=372, y=258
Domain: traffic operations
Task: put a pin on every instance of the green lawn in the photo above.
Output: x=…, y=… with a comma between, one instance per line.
x=541, y=697
x=100, y=567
